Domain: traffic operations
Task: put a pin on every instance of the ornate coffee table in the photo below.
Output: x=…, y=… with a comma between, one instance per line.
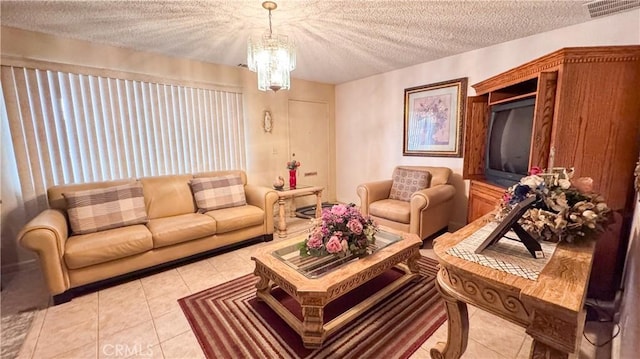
x=315, y=282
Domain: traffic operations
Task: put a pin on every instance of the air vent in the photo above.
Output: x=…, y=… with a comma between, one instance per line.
x=601, y=8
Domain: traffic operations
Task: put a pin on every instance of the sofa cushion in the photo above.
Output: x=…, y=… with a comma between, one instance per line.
x=230, y=219
x=167, y=196
x=89, y=249
x=391, y=209
x=218, y=192
x=55, y=193
x=406, y=181
x=105, y=208
x=242, y=174
x=182, y=228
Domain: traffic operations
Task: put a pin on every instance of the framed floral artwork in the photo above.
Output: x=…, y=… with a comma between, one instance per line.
x=434, y=119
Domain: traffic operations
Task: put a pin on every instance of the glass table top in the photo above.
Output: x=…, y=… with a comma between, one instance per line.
x=314, y=267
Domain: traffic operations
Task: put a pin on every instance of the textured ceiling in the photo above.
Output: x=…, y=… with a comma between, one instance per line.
x=337, y=41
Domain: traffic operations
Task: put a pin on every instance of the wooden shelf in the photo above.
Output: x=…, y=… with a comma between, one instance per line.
x=514, y=92
x=514, y=98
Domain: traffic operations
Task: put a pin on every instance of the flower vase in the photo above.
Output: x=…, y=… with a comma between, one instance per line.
x=292, y=179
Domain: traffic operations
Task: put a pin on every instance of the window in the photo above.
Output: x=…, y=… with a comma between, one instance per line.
x=70, y=128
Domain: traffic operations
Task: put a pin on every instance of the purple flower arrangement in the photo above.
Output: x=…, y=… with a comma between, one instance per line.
x=341, y=230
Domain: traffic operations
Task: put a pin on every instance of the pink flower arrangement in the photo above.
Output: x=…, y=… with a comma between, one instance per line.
x=334, y=245
x=341, y=230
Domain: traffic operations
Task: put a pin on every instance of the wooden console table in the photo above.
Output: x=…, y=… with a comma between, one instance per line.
x=285, y=194
x=550, y=308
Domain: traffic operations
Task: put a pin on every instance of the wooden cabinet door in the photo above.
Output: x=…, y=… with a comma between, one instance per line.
x=543, y=120
x=483, y=198
x=475, y=136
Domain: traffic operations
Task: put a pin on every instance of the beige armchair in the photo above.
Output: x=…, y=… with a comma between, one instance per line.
x=418, y=199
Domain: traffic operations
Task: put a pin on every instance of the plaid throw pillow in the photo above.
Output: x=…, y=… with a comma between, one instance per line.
x=105, y=208
x=218, y=192
x=405, y=182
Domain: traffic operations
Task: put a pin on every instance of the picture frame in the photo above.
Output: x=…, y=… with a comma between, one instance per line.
x=511, y=222
x=434, y=119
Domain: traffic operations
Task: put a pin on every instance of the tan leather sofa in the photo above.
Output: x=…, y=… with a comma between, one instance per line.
x=174, y=231
x=428, y=210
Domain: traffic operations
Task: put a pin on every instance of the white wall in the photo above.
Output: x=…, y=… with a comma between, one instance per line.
x=369, y=112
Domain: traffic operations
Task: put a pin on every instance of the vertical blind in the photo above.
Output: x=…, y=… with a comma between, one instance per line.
x=73, y=128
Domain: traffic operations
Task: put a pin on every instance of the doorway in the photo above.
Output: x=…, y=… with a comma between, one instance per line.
x=309, y=141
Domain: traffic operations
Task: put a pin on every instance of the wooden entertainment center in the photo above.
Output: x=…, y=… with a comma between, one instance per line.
x=587, y=116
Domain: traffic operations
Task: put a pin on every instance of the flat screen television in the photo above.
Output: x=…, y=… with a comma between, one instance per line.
x=509, y=142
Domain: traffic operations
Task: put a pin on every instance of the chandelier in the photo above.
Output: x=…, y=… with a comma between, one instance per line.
x=272, y=56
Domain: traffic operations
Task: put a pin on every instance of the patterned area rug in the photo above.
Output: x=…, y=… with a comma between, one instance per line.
x=309, y=212
x=230, y=323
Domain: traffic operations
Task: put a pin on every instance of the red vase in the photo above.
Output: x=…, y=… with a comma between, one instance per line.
x=292, y=179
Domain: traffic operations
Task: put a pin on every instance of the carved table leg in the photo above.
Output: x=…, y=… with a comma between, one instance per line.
x=412, y=263
x=458, y=333
x=292, y=207
x=312, y=326
x=540, y=350
x=282, y=223
x=262, y=286
x=555, y=336
x=319, y=204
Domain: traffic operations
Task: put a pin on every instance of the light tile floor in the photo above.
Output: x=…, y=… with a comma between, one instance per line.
x=142, y=319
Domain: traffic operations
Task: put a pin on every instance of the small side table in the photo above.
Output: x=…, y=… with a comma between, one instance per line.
x=300, y=191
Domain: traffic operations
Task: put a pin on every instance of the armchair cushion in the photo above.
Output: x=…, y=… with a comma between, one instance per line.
x=218, y=192
x=391, y=209
x=408, y=181
x=105, y=208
